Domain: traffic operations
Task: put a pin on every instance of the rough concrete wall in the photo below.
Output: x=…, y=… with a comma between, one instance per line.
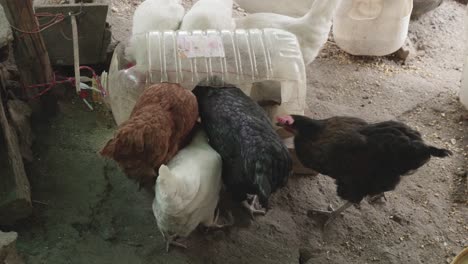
x=5, y=31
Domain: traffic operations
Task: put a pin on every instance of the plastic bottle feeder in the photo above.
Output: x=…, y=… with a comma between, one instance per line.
x=266, y=64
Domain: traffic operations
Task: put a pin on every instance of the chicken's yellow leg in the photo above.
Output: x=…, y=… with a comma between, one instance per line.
x=170, y=240
x=252, y=209
x=377, y=197
x=216, y=225
x=332, y=214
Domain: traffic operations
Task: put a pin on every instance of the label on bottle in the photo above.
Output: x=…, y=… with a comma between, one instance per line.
x=200, y=46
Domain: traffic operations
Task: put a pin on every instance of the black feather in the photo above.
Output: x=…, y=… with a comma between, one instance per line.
x=255, y=161
x=440, y=153
x=364, y=159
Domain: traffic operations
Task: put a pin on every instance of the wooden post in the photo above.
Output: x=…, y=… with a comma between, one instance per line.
x=76, y=51
x=15, y=194
x=30, y=52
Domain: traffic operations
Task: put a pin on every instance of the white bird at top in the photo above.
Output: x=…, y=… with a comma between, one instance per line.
x=152, y=15
x=295, y=8
x=209, y=14
x=311, y=30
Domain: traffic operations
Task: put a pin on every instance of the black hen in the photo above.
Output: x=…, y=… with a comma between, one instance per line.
x=364, y=159
x=255, y=161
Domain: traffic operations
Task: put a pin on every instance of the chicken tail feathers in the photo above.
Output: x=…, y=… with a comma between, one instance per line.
x=164, y=171
x=320, y=18
x=173, y=194
x=109, y=149
x=263, y=181
x=324, y=8
x=269, y=176
x=440, y=153
x=166, y=185
x=127, y=140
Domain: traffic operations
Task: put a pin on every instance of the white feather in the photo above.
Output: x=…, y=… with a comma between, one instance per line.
x=187, y=189
x=209, y=14
x=152, y=15
x=296, y=8
x=311, y=30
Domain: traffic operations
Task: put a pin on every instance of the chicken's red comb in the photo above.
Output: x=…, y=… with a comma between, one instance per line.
x=285, y=120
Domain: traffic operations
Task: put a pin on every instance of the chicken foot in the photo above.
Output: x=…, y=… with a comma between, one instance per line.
x=375, y=198
x=332, y=214
x=171, y=241
x=251, y=207
x=216, y=225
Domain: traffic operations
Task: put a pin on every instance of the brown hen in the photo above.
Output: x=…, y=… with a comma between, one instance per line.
x=158, y=127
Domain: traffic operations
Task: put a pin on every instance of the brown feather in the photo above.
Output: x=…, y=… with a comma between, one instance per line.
x=161, y=120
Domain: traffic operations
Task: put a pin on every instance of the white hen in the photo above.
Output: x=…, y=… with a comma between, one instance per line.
x=209, y=14
x=187, y=190
x=152, y=15
x=311, y=30
x=295, y=8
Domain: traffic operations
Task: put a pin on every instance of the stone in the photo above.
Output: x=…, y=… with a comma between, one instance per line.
x=421, y=7
x=6, y=36
x=8, y=254
x=305, y=255
x=407, y=51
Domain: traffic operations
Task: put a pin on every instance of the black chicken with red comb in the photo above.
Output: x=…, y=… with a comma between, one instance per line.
x=364, y=159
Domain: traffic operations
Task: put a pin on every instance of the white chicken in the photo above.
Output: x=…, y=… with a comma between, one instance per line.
x=152, y=15
x=311, y=30
x=187, y=191
x=296, y=8
x=209, y=14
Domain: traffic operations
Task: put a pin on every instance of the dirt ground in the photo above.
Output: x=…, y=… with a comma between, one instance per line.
x=87, y=211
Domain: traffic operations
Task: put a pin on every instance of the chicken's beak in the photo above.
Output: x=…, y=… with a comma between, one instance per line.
x=280, y=124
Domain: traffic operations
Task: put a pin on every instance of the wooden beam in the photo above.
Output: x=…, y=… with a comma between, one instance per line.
x=30, y=52
x=76, y=51
x=15, y=194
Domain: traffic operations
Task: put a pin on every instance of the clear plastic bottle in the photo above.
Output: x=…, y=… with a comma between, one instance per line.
x=372, y=27
x=242, y=57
